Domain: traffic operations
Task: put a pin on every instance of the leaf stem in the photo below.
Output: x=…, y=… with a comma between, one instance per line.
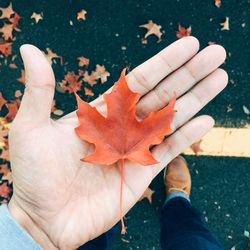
x=123, y=231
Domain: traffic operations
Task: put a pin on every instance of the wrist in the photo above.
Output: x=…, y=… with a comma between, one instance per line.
x=29, y=225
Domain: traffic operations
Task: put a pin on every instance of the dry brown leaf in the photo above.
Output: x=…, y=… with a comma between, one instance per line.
x=101, y=73
x=15, y=20
x=152, y=29
x=217, y=3
x=90, y=79
x=4, y=169
x=71, y=82
x=3, y=136
x=2, y=101
x=196, y=147
x=88, y=92
x=50, y=55
x=83, y=61
x=58, y=112
x=8, y=178
x=18, y=93
x=211, y=43
x=13, y=66
x=147, y=194
x=37, y=16
x=225, y=25
x=182, y=31
x=5, y=154
x=5, y=48
x=7, y=12
x=22, y=77
x=4, y=190
x=13, y=108
x=81, y=15
x=7, y=30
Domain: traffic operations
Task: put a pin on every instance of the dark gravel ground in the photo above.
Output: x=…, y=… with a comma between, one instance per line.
x=220, y=185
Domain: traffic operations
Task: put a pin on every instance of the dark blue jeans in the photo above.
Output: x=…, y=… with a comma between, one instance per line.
x=181, y=229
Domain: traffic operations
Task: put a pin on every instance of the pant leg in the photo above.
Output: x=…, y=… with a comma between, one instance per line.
x=183, y=229
x=101, y=242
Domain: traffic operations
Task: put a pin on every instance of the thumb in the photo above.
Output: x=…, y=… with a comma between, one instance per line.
x=39, y=91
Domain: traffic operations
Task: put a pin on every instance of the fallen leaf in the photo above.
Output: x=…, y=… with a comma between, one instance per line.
x=133, y=137
x=88, y=92
x=182, y=31
x=81, y=15
x=2, y=101
x=246, y=233
x=217, y=3
x=246, y=110
x=13, y=66
x=71, y=82
x=5, y=48
x=8, y=178
x=196, y=147
x=5, y=154
x=229, y=108
x=3, y=136
x=18, y=93
x=101, y=73
x=7, y=12
x=211, y=43
x=147, y=194
x=83, y=61
x=7, y=30
x=15, y=20
x=37, y=16
x=50, y=55
x=58, y=112
x=225, y=25
x=12, y=108
x=152, y=29
x=22, y=77
x=4, y=169
x=90, y=79
x=4, y=190
x=125, y=240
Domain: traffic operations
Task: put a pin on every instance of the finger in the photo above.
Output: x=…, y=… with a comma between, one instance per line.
x=39, y=88
x=194, y=100
x=182, y=79
x=146, y=76
x=180, y=140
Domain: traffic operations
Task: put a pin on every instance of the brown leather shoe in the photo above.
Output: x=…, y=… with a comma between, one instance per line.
x=177, y=176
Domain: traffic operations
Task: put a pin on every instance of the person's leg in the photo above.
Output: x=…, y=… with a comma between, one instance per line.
x=181, y=224
x=101, y=242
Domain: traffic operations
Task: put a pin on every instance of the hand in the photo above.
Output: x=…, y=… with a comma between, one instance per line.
x=63, y=202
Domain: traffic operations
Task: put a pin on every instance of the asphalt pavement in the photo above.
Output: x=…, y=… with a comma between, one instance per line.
x=110, y=36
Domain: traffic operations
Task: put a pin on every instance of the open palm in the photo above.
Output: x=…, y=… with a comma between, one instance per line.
x=63, y=202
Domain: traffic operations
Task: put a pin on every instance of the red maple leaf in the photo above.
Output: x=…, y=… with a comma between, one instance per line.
x=132, y=138
x=182, y=32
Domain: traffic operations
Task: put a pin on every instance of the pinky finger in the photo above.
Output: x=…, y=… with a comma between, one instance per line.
x=181, y=139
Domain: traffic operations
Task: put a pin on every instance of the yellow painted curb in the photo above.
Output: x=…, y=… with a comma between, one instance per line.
x=225, y=142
